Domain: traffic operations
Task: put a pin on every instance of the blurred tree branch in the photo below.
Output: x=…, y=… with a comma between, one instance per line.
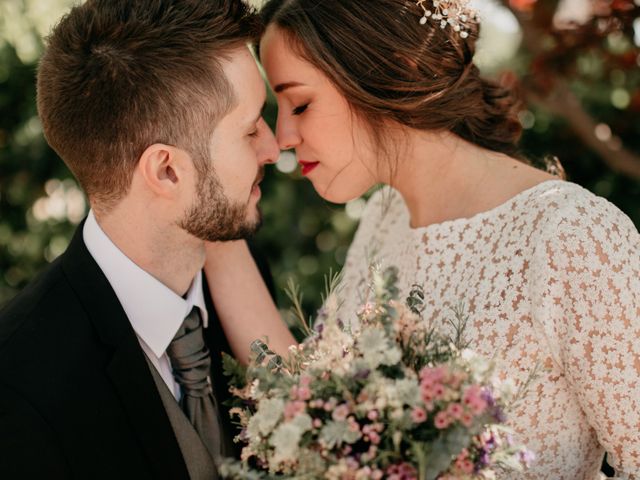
x=554, y=51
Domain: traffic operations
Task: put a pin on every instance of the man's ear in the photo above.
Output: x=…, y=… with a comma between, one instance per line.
x=163, y=169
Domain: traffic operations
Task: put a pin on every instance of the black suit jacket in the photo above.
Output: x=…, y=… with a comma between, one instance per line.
x=77, y=399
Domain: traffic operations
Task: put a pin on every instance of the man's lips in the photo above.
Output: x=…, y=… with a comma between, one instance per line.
x=259, y=178
x=255, y=189
x=306, y=167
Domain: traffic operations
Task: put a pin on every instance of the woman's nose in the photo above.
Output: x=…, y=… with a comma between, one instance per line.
x=287, y=134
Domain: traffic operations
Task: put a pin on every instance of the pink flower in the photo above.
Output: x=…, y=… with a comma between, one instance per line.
x=372, y=415
x=418, y=415
x=402, y=471
x=471, y=394
x=434, y=375
x=330, y=404
x=442, y=420
x=478, y=406
x=304, y=393
x=426, y=382
x=340, y=412
x=353, y=425
x=305, y=380
x=465, y=465
x=291, y=409
x=467, y=419
x=455, y=410
x=352, y=463
x=364, y=472
x=374, y=438
x=378, y=427
x=456, y=379
x=427, y=393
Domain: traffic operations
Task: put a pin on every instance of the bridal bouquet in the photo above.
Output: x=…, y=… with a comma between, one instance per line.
x=396, y=400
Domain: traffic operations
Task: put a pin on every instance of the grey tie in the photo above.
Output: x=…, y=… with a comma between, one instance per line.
x=191, y=365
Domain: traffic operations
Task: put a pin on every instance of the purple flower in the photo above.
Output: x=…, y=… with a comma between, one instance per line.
x=482, y=461
x=526, y=456
x=487, y=396
x=490, y=442
x=498, y=414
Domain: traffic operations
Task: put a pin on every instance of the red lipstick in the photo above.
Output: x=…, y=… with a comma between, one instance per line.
x=307, y=166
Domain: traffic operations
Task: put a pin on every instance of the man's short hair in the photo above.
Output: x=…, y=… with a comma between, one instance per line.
x=120, y=75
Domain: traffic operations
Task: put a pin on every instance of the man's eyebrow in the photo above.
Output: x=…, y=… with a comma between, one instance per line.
x=283, y=86
x=260, y=113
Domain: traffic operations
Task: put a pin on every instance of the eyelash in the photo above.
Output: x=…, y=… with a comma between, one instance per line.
x=254, y=133
x=300, y=109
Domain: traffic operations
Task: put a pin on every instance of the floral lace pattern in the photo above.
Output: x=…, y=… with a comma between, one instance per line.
x=551, y=277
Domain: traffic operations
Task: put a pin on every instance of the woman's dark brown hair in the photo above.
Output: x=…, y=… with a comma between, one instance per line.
x=120, y=75
x=390, y=67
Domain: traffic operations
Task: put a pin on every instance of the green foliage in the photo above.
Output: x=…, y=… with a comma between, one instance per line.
x=233, y=369
x=27, y=167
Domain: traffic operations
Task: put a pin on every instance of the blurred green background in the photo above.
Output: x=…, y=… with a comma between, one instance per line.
x=580, y=83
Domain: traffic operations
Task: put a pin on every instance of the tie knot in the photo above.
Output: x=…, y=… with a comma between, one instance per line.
x=190, y=357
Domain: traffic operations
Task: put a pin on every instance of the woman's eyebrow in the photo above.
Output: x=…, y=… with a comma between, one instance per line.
x=284, y=86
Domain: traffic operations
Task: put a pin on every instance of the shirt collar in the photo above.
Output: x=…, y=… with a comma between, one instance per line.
x=154, y=310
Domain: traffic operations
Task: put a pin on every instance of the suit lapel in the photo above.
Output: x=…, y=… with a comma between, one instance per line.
x=127, y=369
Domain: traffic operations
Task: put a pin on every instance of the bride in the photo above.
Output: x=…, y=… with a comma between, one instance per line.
x=385, y=92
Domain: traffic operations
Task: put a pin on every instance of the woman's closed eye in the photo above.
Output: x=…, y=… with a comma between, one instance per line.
x=300, y=109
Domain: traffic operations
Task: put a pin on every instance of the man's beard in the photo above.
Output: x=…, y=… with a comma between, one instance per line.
x=213, y=218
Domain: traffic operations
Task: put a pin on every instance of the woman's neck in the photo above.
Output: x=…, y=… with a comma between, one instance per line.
x=442, y=177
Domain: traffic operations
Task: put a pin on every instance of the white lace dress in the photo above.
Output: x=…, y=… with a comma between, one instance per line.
x=550, y=276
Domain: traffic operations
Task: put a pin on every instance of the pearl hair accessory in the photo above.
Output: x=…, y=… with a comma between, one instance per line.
x=456, y=13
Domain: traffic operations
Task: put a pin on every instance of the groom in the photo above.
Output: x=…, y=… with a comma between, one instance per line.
x=110, y=361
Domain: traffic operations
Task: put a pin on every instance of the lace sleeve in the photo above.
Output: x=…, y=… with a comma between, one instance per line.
x=592, y=296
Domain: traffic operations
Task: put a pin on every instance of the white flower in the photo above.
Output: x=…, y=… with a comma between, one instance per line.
x=407, y=391
x=507, y=388
x=478, y=364
x=335, y=433
x=468, y=355
x=255, y=388
x=331, y=349
x=332, y=303
x=376, y=349
x=270, y=411
x=286, y=438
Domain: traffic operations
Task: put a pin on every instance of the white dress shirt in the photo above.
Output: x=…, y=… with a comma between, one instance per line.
x=154, y=310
